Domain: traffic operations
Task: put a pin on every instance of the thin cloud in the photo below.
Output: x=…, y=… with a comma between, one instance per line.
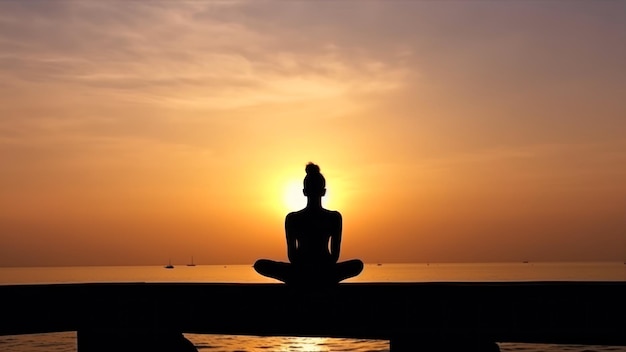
x=160, y=53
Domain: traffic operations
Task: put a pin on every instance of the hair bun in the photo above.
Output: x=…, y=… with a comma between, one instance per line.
x=312, y=169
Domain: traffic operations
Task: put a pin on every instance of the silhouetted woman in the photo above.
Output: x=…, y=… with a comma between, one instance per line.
x=313, y=242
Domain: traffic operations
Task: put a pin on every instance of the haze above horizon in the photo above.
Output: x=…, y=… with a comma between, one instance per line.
x=133, y=133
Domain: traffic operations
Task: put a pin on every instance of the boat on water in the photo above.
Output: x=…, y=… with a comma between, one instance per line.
x=169, y=265
x=192, y=263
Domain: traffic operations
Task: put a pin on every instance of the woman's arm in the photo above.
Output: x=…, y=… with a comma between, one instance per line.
x=291, y=238
x=335, y=237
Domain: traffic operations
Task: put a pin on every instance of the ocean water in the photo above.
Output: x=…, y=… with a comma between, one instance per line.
x=422, y=272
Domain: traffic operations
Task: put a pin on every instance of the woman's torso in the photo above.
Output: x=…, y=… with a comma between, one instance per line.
x=312, y=230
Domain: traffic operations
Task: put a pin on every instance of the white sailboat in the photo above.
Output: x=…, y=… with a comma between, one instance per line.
x=192, y=263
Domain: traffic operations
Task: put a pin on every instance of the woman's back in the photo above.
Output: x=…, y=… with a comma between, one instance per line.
x=311, y=231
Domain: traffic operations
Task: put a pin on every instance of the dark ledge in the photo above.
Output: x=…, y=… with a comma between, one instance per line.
x=534, y=312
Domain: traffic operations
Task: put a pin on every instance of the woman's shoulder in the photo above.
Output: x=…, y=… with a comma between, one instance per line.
x=294, y=214
x=304, y=213
x=333, y=213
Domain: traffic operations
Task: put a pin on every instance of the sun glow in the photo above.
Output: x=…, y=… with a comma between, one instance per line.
x=293, y=198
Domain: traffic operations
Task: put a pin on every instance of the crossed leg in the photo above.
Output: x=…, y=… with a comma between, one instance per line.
x=289, y=273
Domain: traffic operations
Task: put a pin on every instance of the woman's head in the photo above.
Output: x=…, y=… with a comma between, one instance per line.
x=314, y=181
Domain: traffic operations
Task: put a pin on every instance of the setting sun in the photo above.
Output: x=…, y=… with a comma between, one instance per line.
x=293, y=198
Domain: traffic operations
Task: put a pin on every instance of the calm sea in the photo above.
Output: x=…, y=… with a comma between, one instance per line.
x=66, y=341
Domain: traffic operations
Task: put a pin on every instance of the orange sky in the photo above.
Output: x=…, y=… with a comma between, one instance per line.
x=136, y=132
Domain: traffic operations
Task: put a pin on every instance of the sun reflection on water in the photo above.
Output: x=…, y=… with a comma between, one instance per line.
x=230, y=343
x=309, y=344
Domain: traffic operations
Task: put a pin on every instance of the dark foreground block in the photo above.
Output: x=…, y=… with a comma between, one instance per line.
x=428, y=316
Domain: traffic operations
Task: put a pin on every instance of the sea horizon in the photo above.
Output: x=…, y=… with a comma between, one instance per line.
x=373, y=272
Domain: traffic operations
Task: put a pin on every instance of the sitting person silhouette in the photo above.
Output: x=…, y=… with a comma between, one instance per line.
x=313, y=242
